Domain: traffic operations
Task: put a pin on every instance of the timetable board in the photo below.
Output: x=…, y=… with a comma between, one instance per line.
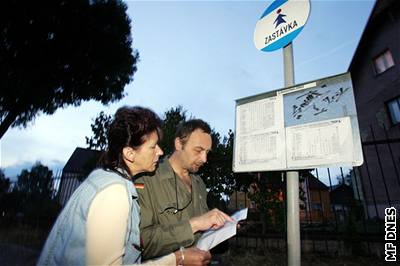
x=310, y=125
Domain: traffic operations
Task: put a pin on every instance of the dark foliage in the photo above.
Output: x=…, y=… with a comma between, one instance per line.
x=32, y=199
x=268, y=192
x=58, y=53
x=172, y=118
x=99, y=128
x=4, y=189
x=217, y=172
x=4, y=183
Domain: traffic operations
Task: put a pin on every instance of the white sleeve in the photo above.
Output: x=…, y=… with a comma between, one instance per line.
x=106, y=226
x=106, y=229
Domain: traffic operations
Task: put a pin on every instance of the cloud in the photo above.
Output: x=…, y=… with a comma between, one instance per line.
x=13, y=171
x=328, y=53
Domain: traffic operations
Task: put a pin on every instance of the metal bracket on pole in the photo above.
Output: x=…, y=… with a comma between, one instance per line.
x=292, y=180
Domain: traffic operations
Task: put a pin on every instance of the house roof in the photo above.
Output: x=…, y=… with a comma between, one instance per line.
x=378, y=11
x=82, y=161
x=314, y=183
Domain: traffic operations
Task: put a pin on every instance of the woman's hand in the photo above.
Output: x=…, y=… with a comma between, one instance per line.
x=192, y=256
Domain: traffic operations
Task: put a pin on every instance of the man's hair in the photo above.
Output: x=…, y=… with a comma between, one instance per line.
x=184, y=129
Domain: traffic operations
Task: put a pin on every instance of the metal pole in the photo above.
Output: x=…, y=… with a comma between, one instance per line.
x=288, y=65
x=292, y=180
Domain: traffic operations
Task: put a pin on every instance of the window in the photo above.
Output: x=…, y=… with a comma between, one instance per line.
x=383, y=62
x=316, y=206
x=394, y=110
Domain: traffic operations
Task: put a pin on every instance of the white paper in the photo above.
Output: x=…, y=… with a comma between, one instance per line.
x=240, y=215
x=260, y=135
x=211, y=238
x=320, y=143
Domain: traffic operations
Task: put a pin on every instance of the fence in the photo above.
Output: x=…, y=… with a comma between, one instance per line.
x=60, y=186
x=341, y=219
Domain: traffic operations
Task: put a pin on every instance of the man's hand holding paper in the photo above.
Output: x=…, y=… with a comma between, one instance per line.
x=213, y=219
x=211, y=238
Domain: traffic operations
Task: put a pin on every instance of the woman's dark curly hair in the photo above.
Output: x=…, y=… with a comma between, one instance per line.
x=129, y=128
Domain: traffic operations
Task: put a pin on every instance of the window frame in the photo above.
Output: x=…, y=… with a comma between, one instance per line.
x=392, y=122
x=379, y=55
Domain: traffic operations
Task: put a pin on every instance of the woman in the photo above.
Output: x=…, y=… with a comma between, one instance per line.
x=100, y=223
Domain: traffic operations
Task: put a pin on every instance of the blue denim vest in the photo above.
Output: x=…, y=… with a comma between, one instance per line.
x=66, y=243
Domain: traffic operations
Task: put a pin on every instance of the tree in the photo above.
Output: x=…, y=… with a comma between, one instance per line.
x=4, y=190
x=346, y=179
x=58, y=53
x=172, y=118
x=99, y=128
x=4, y=183
x=37, y=181
x=268, y=193
x=217, y=172
x=34, y=195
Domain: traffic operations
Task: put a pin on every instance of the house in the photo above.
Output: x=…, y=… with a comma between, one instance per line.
x=342, y=199
x=315, y=201
x=375, y=72
x=239, y=200
x=77, y=168
x=315, y=207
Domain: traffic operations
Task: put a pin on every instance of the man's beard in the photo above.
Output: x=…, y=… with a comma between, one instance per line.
x=194, y=169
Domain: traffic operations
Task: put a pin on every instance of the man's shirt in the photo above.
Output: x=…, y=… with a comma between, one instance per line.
x=166, y=206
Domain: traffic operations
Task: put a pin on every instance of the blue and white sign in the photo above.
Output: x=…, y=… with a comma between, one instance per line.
x=280, y=23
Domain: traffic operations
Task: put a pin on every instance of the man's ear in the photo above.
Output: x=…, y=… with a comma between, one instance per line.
x=129, y=154
x=178, y=144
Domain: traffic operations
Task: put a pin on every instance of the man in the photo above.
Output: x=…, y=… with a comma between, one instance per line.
x=173, y=201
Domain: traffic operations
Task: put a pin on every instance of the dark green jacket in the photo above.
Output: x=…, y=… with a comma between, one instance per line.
x=164, y=221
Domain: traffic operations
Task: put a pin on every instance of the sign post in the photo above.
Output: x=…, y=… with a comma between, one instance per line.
x=281, y=22
x=292, y=180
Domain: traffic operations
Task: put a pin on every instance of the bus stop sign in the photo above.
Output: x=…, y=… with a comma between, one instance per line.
x=280, y=23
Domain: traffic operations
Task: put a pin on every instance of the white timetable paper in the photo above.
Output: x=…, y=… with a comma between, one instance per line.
x=319, y=143
x=262, y=135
